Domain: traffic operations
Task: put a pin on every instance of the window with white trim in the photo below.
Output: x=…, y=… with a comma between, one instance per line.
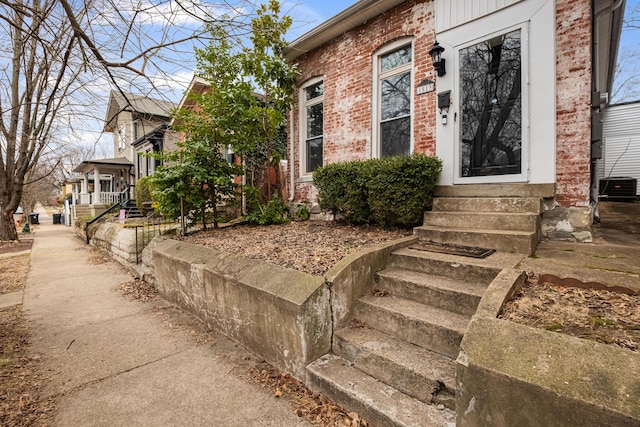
x=149, y=163
x=122, y=134
x=393, y=99
x=312, y=125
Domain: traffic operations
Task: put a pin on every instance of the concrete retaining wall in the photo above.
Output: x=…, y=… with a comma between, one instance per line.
x=514, y=375
x=282, y=315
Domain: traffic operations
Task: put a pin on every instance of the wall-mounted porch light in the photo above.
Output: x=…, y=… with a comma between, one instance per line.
x=438, y=60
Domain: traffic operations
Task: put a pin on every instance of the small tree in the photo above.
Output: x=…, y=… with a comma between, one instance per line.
x=198, y=175
x=274, y=79
x=250, y=91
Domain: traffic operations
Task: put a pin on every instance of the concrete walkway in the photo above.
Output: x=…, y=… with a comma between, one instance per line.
x=116, y=362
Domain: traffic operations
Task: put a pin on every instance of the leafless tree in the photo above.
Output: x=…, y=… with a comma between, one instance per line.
x=626, y=84
x=55, y=54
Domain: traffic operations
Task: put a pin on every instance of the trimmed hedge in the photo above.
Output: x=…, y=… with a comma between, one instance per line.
x=391, y=192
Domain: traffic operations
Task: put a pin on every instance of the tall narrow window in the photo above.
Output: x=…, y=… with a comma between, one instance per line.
x=135, y=125
x=140, y=165
x=312, y=115
x=122, y=134
x=394, y=101
x=148, y=157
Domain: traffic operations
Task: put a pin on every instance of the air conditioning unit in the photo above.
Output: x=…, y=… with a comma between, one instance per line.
x=618, y=188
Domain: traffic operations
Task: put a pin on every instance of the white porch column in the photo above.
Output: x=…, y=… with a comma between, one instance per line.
x=85, y=184
x=96, y=187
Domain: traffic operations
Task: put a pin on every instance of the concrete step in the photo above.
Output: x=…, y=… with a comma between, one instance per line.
x=523, y=242
x=458, y=296
x=428, y=327
x=531, y=205
x=378, y=403
x=495, y=190
x=483, y=220
x=470, y=270
x=427, y=376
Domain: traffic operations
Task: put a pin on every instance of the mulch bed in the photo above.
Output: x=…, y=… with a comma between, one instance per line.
x=7, y=247
x=20, y=379
x=600, y=315
x=310, y=246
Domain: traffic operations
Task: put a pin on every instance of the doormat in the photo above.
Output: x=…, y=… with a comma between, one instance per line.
x=451, y=249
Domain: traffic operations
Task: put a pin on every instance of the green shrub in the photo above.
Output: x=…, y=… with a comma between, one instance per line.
x=391, y=192
x=275, y=211
x=343, y=189
x=401, y=188
x=143, y=194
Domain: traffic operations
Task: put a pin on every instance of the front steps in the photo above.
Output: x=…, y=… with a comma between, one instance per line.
x=509, y=224
x=395, y=364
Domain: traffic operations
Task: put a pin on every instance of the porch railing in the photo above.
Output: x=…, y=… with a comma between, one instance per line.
x=108, y=198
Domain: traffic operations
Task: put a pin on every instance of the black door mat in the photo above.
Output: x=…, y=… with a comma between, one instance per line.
x=451, y=249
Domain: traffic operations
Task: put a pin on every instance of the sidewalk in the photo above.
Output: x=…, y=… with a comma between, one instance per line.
x=116, y=362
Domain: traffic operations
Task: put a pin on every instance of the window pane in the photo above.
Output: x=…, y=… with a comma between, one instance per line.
x=314, y=120
x=395, y=137
x=314, y=154
x=315, y=90
x=491, y=113
x=396, y=58
x=396, y=96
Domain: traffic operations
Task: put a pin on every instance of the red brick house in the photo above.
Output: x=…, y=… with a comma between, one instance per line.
x=509, y=112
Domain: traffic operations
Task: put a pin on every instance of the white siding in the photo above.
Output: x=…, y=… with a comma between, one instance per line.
x=452, y=13
x=621, y=138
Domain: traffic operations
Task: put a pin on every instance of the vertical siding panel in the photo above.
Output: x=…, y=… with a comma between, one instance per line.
x=453, y=5
x=621, y=135
x=468, y=10
x=451, y=13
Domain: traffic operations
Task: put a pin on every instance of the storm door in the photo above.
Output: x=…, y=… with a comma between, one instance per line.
x=491, y=107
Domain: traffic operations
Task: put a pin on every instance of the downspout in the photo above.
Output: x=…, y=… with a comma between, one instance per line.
x=292, y=178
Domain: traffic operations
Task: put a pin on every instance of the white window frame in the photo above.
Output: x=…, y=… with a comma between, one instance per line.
x=302, y=119
x=524, y=154
x=135, y=130
x=377, y=78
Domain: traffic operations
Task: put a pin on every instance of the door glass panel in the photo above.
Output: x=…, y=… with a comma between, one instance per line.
x=491, y=107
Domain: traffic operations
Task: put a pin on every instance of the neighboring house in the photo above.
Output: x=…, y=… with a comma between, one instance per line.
x=139, y=125
x=509, y=112
x=619, y=167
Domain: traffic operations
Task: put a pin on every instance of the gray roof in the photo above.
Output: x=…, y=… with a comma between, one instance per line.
x=117, y=161
x=135, y=103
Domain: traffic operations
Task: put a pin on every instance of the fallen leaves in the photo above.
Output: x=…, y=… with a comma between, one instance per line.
x=314, y=407
x=13, y=273
x=310, y=246
x=20, y=379
x=138, y=290
x=599, y=315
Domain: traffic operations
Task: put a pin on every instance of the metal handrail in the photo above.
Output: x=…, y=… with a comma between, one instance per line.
x=123, y=199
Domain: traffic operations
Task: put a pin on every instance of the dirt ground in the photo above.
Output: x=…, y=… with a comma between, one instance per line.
x=21, y=379
x=600, y=315
x=309, y=246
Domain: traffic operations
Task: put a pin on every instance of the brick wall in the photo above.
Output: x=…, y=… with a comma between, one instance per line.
x=573, y=100
x=346, y=63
